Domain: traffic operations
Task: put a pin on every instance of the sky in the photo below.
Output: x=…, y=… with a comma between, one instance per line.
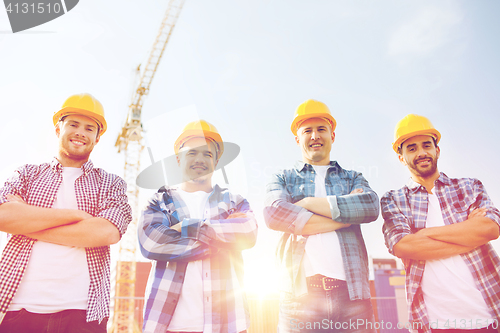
x=245, y=66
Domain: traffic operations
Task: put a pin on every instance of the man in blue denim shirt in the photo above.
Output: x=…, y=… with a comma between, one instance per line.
x=319, y=207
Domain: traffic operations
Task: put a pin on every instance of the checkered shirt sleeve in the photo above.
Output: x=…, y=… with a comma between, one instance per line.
x=158, y=241
x=405, y=212
x=98, y=193
x=218, y=244
x=396, y=224
x=280, y=213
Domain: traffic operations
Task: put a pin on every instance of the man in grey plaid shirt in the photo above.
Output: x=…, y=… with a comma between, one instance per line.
x=319, y=207
x=62, y=217
x=441, y=228
x=194, y=233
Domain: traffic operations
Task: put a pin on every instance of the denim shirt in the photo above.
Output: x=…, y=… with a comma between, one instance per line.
x=292, y=185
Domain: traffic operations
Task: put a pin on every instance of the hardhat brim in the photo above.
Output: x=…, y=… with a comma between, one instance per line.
x=167, y=173
x=303, y=117
x=67, y=111
x=430, y=132
x=198, y=133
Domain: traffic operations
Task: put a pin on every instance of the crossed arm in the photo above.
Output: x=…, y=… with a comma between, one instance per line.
x=321, y=221
x=71, y=227
x=449, y=240
x=313, y=215
x=238, y=231
x=161, y=237
x=282, y=215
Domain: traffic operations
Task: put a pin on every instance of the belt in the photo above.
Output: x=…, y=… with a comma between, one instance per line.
x=325, y=283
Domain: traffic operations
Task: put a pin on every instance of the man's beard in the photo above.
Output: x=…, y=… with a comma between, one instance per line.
x=421, y=172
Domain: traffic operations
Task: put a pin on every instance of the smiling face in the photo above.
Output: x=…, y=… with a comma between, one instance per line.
x=77, y=137
x=315, y=138
x=197, y=160
x=420, y=155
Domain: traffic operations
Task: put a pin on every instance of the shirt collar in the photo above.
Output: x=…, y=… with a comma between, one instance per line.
x=57, y=166
x=414, y=186
x=301, y=166
x=444, y=179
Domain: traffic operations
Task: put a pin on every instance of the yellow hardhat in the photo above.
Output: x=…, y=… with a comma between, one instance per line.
x=86, y=105
x=200, y=128
x=413, y=125
x=312, y=109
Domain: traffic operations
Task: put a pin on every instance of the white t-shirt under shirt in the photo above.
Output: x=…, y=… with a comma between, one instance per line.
x=450, y=292
x=57, y=276
x=322, y=252
x=188, y=314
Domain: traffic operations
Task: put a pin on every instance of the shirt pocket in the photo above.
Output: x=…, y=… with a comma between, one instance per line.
x=170, y=212
x=462, y=206
x=300, y=191
x=225, y=209
x=338, y=185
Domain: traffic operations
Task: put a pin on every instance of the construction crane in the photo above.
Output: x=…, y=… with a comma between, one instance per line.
x=130, y=141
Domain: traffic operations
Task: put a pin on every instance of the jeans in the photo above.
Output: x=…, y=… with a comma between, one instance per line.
x=67, y=321
x=325, y=311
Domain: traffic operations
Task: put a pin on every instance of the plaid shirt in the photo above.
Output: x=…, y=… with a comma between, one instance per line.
x=280, y=213
x=98, y=193
x=218, y=244
x=405, y=212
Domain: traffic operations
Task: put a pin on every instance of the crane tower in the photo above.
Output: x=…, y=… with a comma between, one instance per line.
x=130, y=141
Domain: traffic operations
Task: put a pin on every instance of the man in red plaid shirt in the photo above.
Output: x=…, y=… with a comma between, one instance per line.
x=441, y=228
x=62, y=217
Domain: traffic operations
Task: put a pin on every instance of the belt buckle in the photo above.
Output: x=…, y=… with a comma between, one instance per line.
x=324, y=284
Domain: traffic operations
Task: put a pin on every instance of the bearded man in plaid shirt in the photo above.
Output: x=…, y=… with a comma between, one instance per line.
x=194, y=234
x=441, y=228
x=319, y=207
x=62, y=217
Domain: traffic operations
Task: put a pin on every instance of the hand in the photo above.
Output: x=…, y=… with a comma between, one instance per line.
x=302, y=203
x=16, y=198
x=237, y=216
x=478, y=212
x=177, y=227
x=84, y=215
